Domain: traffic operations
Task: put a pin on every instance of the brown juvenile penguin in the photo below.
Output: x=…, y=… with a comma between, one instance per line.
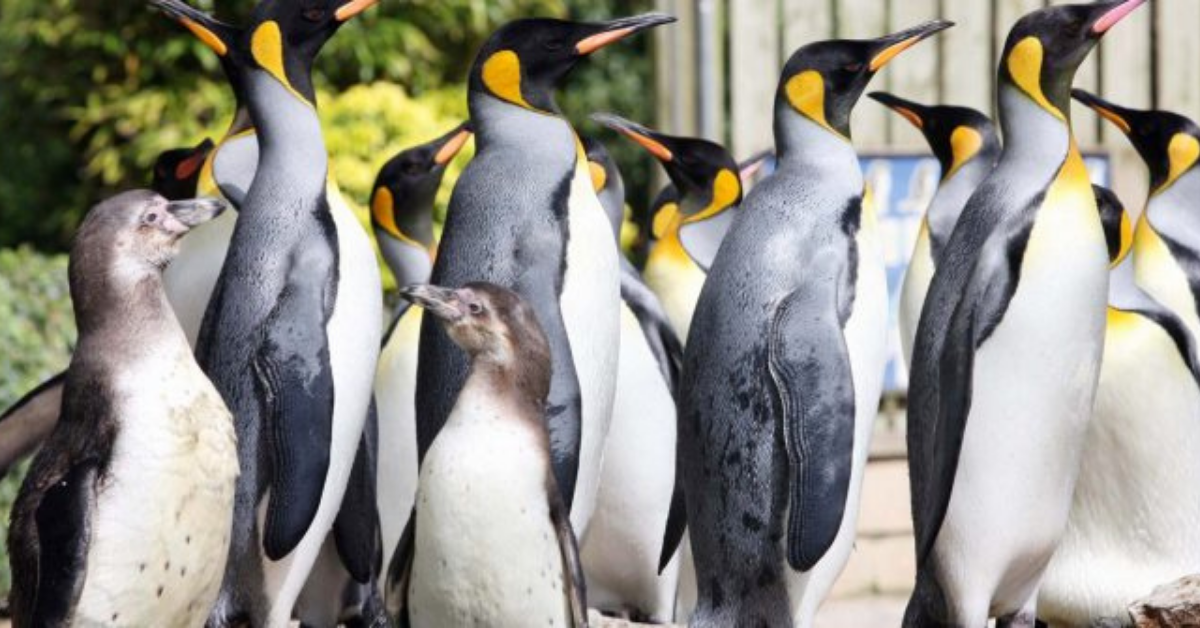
x=126, y=512
x=490, y=542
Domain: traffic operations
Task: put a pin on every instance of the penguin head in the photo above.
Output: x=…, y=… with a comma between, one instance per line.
x=402, y=198
x=606, y=182
x=177, y=171
x=956, y=135
x=1046, y=47
x=492, y=324
x=824, y=80
x=704, y=174
x=523, y=61
x=1168, y=142
x=138, y=229
x=1118, y=231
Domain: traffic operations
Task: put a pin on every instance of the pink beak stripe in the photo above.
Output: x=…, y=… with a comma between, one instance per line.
x=1117, y=14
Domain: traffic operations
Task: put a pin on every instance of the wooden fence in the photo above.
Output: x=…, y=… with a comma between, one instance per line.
x=1152, y=59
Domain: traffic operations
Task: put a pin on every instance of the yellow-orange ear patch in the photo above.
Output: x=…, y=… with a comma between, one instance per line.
x=266, y=45
x=502, y=77
x=1025, y=68
x=663, y=220
x=965, y=143
x=599, y=176
x=806, y=93
x=1183, y=151
x=727, y=186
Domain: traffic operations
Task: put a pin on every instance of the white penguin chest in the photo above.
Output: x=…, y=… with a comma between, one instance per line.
x=486, y=553
x=163, y=514
x=591, y=302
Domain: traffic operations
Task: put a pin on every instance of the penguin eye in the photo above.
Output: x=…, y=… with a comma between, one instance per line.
x=553, y=44
x=475, y=309
x=315, y=14
x=151, y=218
x=854, y=68
x=411, y=167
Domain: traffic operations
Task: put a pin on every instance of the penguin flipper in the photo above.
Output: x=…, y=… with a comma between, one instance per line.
x=652, y=318
x=573, y=581
x=399, y=574
x=29, y=422
x=356, y=529
x=295, y=388
x=809, y=365
x=50, y=539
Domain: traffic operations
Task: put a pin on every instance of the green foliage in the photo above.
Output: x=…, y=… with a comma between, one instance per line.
x=37, y=331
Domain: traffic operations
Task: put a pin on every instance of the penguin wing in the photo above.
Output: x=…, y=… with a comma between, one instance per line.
x=660, y=336
x=49, y=540
x=28, y=423
x=400, y=573
x=356, y=529
x=295, y=387
x=573, y=581
x=991, y=288
x=809, y=366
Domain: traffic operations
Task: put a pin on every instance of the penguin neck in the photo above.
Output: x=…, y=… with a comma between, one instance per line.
x=515, y=379
x=1032, y=135
x=1172, y=213
x=804, y=145
x=292, y=158
x=952, y=196
x=125, y=303
x=409, y=264
x=240, y=123
x=503, y=124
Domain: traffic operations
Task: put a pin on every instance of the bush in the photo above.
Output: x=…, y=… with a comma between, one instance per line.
x=37, y=331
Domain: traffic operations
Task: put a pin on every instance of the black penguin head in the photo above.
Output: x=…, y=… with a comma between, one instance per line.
x=704, y=173
x=282, y=39
x=523, y=61
x=1046, y=47
x=1118, y=231
x=139, y=227
x=956, y=135
x=492, y=324
x=824, y=80
x=1168, y=142
x=403, y=195
x=177, y=171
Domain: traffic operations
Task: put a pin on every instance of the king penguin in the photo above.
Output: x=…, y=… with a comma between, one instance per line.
x=490, y=542
x=292, y=333
x=523, y=215
x=1166, y=240
x=402, y=216
x=783, y=367
x=1137, y=472
x=624, y=541
x=691, y=218
x=967, y=147
x=1007, y=352
x=126, y=505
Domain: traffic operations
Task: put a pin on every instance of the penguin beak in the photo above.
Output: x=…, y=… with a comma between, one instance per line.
x=452, y=144
x=886, y=48
x=352, y=8
x=189, y=166
x=907, y=109
x=1119, y=116
x=654, y=143
x=1112, y=13
x=212, y=32
x=195, y=211
x=747, y=169
x=605, y=33
x=443, y=303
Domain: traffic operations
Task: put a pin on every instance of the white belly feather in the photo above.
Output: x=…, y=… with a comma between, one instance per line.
x=395, y=396
x=486, y=553
x=162, y=518
x=621, y=549
x=591, y=302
